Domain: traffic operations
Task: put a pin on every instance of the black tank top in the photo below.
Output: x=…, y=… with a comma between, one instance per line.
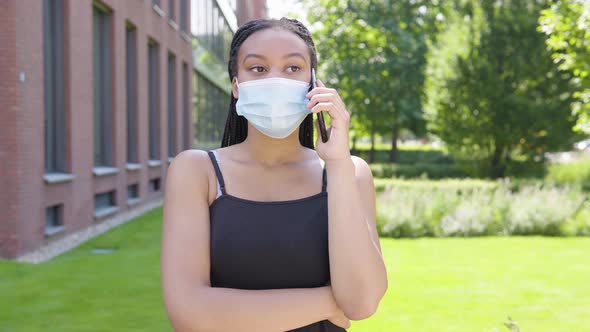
x=270, y=245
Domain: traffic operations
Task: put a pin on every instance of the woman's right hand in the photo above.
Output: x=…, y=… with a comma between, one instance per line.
x=339, y=319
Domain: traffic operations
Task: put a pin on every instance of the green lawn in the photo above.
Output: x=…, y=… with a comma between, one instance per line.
x=444, y=284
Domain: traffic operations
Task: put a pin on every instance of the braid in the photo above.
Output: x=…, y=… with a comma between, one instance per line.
x=236, y=127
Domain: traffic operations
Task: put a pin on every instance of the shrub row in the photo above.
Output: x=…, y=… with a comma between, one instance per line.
x=476, y=207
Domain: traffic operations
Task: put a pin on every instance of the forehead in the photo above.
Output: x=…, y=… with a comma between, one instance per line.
x=273, y=42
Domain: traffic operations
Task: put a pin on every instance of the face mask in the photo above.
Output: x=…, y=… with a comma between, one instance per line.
x=275, y=106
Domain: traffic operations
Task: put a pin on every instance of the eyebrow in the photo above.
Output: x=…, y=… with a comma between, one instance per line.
x=294, y=54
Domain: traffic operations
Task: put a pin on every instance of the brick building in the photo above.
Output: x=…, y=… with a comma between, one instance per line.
x=97, y=98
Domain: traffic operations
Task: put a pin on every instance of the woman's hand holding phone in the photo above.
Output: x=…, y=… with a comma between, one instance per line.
x=336, y=144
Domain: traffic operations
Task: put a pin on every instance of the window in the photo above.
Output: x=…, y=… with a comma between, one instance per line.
x=154, y=185
x=53, y=219
x=171, y=9
x=103, y=133
x=53, y=43
x=215, y=31
x=211, y=28
x=153, y=101
x=210, y=117
x=186, y=119
x=171, y=105
x=131, y=88
x=183, y=15
x=132, y=191
x=104, y=203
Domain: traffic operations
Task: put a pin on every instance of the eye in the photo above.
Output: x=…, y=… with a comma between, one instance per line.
x=294, y=68
x=257, y=69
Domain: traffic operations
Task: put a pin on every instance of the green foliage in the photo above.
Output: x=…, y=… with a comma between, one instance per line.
x=567, y=24
x=417, y=170
x=572, y=172
x=373, y=53
x=492, y=92
x=408, y=156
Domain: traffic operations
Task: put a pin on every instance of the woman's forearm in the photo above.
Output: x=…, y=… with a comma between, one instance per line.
x=214, y=309
x=358, y=274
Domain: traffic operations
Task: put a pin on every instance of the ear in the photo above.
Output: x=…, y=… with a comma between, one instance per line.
x=234, y=87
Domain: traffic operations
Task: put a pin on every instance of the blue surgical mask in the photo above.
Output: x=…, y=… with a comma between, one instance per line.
x=275, y=106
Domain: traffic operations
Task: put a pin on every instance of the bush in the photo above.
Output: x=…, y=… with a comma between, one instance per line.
x=579, y=225
x=570, y=173
x=538, y=210
x=475, y=207
x=419, y=170
x=407, y=155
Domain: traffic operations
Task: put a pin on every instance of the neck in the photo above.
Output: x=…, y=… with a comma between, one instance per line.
x=272, y=151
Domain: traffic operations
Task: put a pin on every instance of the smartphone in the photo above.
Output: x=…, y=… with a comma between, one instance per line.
x=321, y=122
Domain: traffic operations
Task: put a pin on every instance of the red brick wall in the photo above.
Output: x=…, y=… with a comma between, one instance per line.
x=25, y=195
x=9, y=212
x=250, y=10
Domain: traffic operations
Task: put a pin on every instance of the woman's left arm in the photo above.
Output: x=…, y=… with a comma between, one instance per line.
x=358, y=272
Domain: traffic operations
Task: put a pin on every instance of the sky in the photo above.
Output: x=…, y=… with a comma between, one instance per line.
x=279, y=8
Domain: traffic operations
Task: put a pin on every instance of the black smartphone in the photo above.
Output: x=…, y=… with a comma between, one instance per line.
x=321, y=121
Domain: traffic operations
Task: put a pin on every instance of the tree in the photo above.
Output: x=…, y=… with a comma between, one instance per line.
x=374, y=53
x=567, y=24
x=493, y=94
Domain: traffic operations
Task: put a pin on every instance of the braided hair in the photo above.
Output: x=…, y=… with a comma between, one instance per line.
x=236, y=126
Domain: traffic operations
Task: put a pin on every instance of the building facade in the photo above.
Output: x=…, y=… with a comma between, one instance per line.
x=96, y=99
x=98, y=96
x=213, y=26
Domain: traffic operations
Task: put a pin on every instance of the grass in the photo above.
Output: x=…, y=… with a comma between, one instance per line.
x=81, y=291
x=444, y=284
x=473, y=284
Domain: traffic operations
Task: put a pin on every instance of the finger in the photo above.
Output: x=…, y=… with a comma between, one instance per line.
x=319, y=83
x=320, y=90
x=326, y=106
x=324, y=97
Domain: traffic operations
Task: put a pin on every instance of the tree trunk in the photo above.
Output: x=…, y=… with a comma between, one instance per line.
x=372, y=152
x=498, y=165
x=393, y=153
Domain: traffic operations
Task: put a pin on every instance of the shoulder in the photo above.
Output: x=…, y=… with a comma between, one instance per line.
x=190, y=166
x=190, y=159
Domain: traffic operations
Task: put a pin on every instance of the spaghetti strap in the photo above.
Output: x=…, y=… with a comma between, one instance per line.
x=324, y=179
x=217, y=171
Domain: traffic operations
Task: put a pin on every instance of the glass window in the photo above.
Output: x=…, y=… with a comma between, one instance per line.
x=53, y=43
x=171, y=105
x=132, y=191
x=103, y=152
x=172, y=9
x=153, y=101
x=131, y=89
x=104, y=200
x=183, y=15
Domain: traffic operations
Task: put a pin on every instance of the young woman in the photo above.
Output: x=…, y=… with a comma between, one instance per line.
x=266, y=233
